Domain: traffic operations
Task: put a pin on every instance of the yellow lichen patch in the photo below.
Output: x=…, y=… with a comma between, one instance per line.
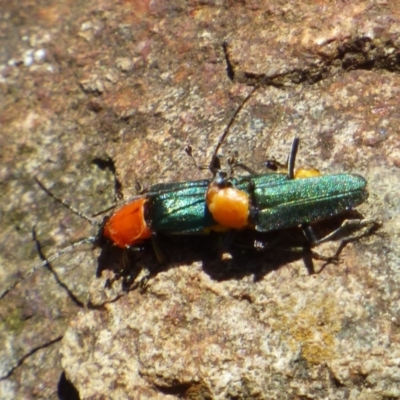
x=314, y=329
x=15, y=320
x=311, y=327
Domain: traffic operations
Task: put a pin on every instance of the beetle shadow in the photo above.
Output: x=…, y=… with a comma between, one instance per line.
x=165, y=252
x=241, y=258
x=249, y=253
x=259, y=254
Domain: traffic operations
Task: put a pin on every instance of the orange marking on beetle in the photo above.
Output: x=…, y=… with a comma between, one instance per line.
x=128, y=226
x=228, y=206
x=306, y=173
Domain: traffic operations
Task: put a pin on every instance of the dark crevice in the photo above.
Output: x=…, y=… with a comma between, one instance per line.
x=359, y=54
x=229, y=68
x=39, y=250
x=335, y=381
x=187, y=390
x=29, y=354
x=105, y=163
x=178, y=390
x=108, y=163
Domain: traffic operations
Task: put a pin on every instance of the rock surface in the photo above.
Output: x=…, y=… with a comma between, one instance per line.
x=93, y=88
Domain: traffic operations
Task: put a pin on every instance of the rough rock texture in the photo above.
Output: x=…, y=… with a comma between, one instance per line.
x=90, y=88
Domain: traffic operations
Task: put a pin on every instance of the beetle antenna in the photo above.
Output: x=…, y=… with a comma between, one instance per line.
x=66, y=205
x=59, y=253
x=232, y=120
x=90, y=239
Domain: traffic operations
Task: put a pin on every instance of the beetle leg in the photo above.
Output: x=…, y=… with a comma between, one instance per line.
x=365, y=226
